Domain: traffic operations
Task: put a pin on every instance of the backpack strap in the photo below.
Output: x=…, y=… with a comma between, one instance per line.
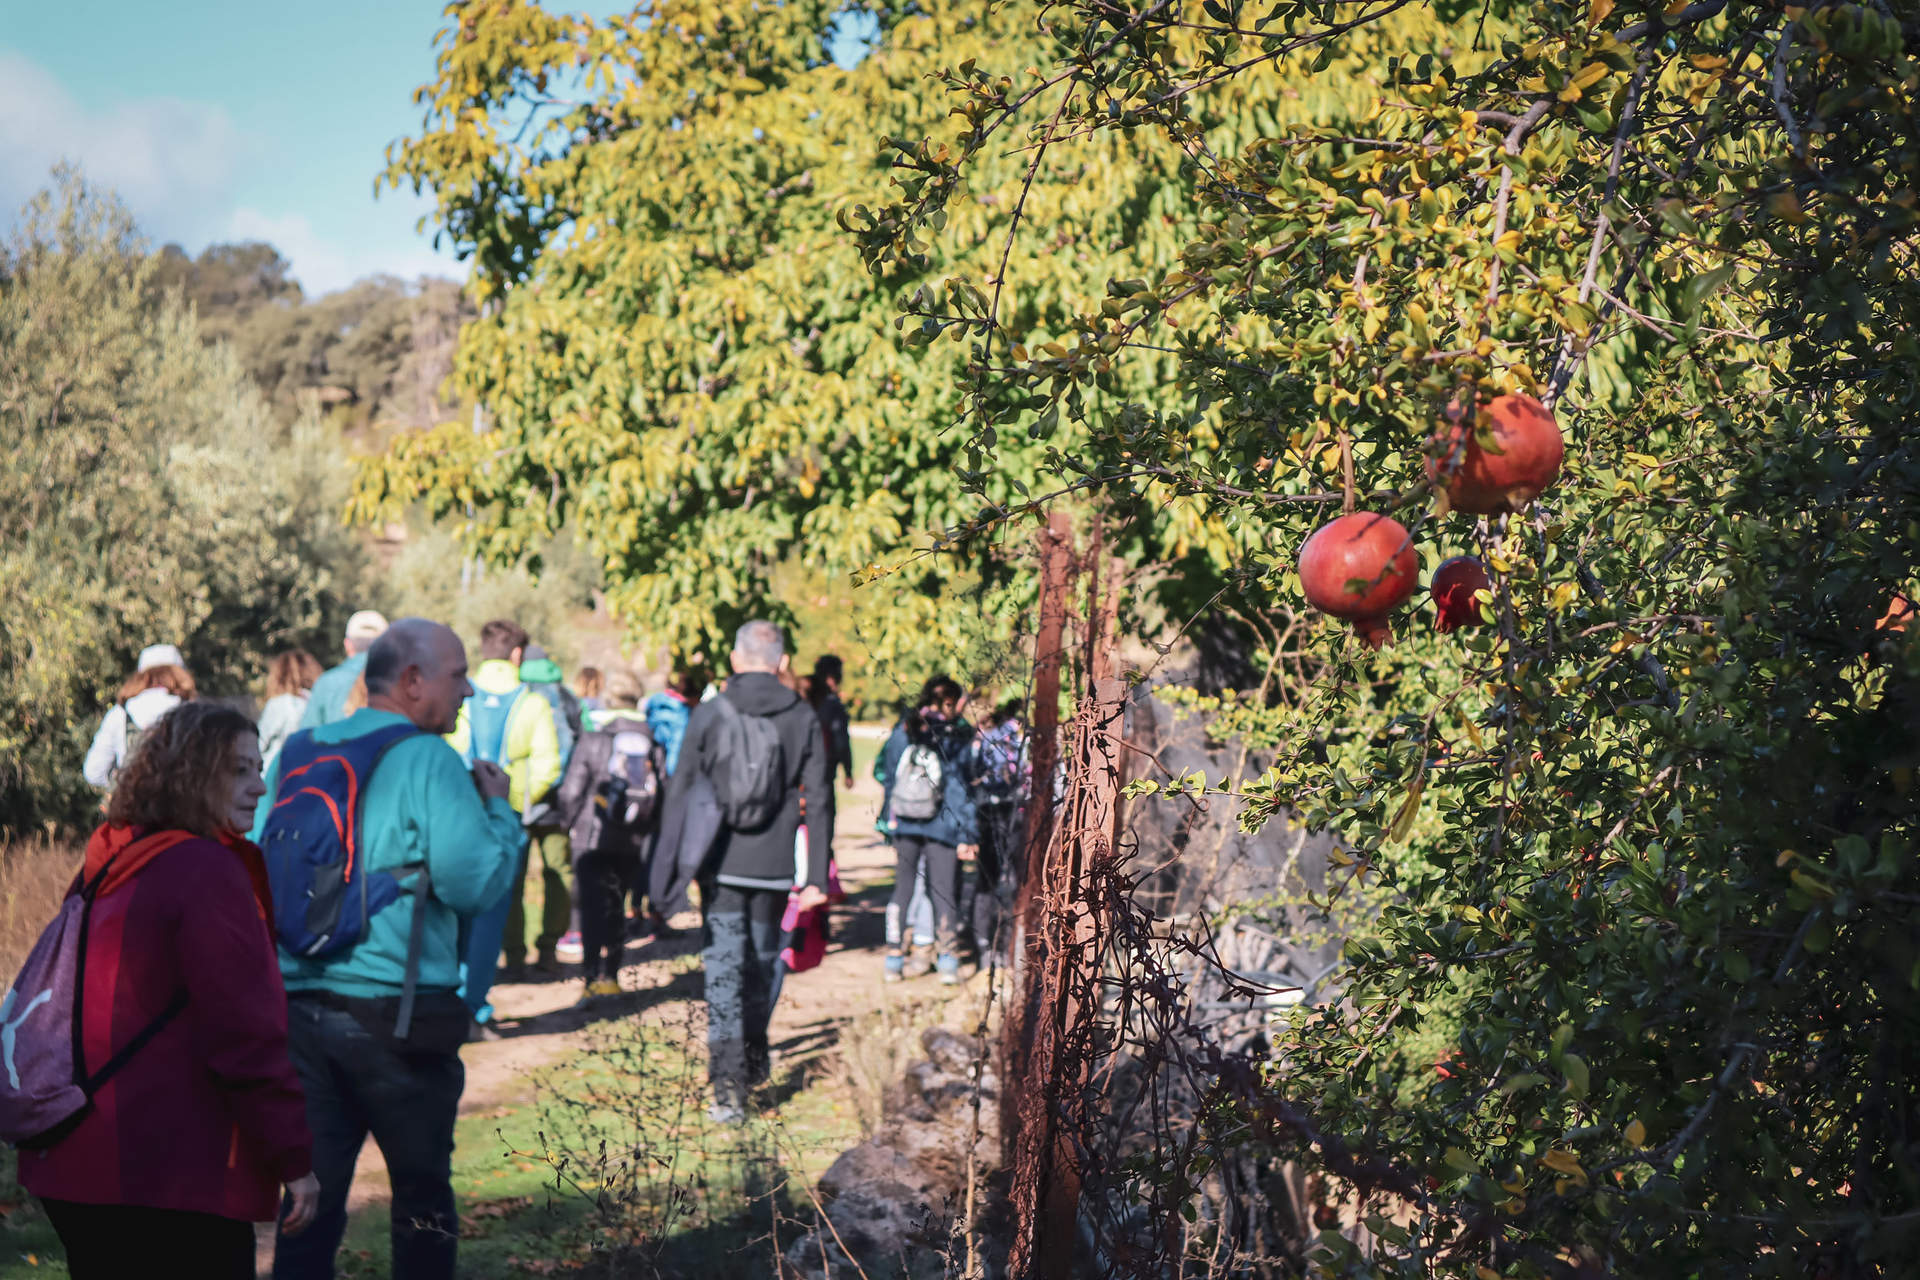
x=416, y=935
x=91, y=1084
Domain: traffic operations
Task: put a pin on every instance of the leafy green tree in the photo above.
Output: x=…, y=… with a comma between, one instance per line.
x=382, y=346
x=1659, y=876
x=149, y=496
x=684, y=356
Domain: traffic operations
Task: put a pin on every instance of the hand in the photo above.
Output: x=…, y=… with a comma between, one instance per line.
x=812, y=896
x=490, y=780
x=303, y=1201
x=967, y=852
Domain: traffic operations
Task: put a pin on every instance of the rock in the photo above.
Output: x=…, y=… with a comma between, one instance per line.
x=892, y=1199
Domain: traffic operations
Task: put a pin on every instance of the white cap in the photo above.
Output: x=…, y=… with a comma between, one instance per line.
x=160, y=655
x=366, y=625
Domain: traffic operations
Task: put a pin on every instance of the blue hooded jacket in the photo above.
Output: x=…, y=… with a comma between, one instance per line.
x=958, y=821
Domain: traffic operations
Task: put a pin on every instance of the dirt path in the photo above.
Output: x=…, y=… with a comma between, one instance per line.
x=544, y=1025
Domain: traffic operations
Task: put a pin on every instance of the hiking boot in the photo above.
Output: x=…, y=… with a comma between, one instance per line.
x=600, y=989
x=949, y=967
x=895, y=970
x=569, y=949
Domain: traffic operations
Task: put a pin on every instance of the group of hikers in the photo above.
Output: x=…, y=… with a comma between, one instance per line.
x=286, y=928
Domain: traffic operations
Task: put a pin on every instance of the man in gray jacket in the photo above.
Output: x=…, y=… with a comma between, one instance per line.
x=745, y=878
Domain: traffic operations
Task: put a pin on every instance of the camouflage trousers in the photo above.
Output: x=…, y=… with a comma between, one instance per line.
x=741, y=937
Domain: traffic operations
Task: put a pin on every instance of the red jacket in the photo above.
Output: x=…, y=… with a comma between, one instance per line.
x=208, y=1116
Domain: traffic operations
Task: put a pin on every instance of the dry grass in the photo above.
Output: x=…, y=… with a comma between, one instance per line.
x=34, y=875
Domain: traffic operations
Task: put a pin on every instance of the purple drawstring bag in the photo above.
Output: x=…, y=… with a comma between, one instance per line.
x=45, y=1089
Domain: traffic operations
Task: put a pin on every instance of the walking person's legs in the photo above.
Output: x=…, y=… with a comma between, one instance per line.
x=602, y=886
x=765, y=908
x=513, y=928
x=412, y=1100
x=725, y=955
x=339, y=1126
x=113, y=1241
x=485, y=937
x=552, y=852
x=942, y=862
x=906, y=853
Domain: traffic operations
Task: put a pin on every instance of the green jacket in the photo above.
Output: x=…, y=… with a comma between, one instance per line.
x=531, y=752
x=420, y=806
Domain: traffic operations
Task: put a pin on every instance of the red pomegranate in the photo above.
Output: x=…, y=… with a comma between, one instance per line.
x=1453, y=585
x=1482, y=482
x=1359, y=567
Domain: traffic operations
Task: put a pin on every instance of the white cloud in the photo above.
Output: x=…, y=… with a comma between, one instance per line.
x=176, y=165
x=171, y=160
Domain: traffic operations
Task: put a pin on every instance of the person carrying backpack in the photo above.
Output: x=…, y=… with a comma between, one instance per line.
x=504, y=723
x=667, y=712
x=327, y=700
x=159, y=683
x=1001, y=778
x=147, y=1079
x=929, y=809
x=756, y=749
x=610, y=801
x=547, y=845
x=382, y=848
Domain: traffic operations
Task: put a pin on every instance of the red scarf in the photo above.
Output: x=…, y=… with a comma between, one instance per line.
x=128, y=849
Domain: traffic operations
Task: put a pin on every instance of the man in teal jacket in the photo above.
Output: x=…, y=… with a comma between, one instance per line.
x=327, y=700
x=421, y=806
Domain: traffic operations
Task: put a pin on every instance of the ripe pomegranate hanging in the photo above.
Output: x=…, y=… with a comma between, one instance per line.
x=1482, y=482
x=1359, y=567
x=1453, y=585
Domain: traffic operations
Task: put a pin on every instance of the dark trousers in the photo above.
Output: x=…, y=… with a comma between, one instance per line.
x=357, y=1083
x=943, y=885
x=600, y=882
x=1003, y=847
x=113, y=1241
x=741, y=934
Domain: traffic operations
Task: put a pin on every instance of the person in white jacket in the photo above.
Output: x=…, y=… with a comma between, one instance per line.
x=160, y=682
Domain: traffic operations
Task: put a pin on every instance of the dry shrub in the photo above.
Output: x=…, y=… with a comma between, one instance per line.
x=34, y=875
x=876, y=1049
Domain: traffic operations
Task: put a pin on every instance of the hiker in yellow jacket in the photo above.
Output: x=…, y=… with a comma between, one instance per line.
x=511, y=726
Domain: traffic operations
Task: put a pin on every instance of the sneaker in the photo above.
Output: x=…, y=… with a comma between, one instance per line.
x=949, y=967
x=600, y=989
x=919, y=964
x=726, y=1114
x=568, y=950
x=896, y=969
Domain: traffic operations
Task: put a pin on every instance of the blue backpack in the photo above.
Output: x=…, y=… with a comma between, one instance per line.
x=323, y=894
x=488, y=715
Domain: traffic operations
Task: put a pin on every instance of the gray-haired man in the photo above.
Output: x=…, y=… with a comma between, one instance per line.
x=747, y=875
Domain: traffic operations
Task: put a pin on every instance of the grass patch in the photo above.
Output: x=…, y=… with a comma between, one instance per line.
x=615, y=1170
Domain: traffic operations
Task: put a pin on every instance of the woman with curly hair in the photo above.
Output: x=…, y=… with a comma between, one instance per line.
x=289, y=681
x=197, y=1136
x=159, y=683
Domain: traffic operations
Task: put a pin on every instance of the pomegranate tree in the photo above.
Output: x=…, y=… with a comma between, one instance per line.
x=1453, y=585
x=1359, y=567
x=1525, y=457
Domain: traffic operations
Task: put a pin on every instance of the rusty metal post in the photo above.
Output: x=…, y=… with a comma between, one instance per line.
x=1060, y=978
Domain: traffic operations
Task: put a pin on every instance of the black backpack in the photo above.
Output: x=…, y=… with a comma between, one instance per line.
x=628, y=793
x=748, y=767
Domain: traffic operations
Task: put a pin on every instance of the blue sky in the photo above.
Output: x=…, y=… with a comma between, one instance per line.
x=229, y=120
